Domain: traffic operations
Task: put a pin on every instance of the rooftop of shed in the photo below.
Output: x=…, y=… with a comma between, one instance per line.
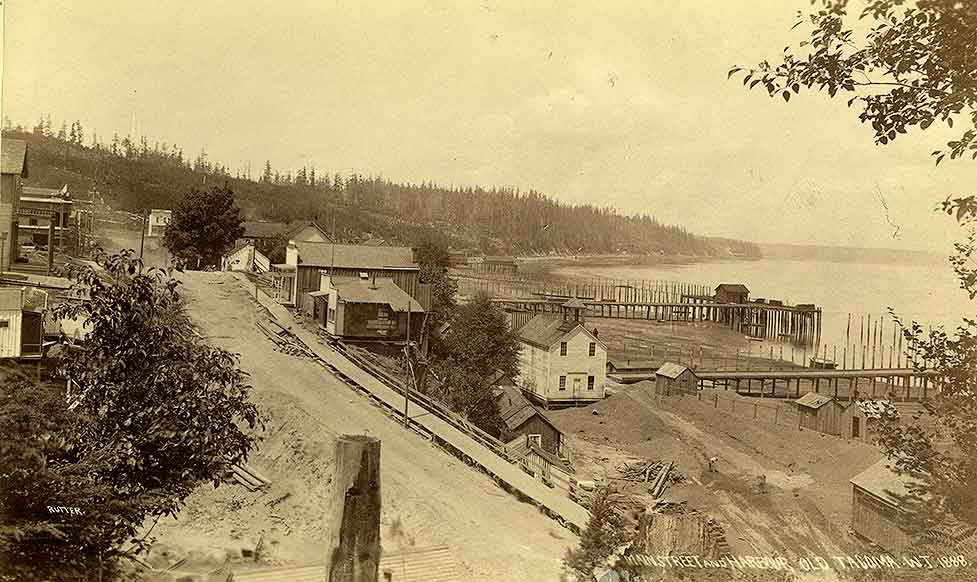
x=381, y=291
x=671, y=370
x=885, y=483
x=13, y=157
x=813, y=400
x=355, y=256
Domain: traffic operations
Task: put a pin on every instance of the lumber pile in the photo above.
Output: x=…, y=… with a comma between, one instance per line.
x=647, y=470
x=248, y=477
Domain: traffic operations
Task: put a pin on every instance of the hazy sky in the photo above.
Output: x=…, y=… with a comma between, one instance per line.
x=614, y=103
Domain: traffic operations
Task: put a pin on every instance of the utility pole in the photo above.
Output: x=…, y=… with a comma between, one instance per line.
x=409, y=370
x=142, y=235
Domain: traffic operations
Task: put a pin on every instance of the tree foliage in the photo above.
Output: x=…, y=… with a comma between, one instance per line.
x=605, y=532
x=915, y=65
x=204, y=226
x=152, y=412
x=478, y=344
x=433, y=259
x=136, y=176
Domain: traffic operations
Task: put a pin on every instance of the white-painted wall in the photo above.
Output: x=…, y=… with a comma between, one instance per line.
x=10, y=333
x=540, y=370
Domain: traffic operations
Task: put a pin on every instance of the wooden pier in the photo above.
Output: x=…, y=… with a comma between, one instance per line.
x=798, y=323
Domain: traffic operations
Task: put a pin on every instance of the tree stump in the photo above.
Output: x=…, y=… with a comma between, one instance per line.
x=353, y=550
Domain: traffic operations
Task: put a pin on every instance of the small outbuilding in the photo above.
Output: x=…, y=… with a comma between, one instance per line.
x=672, y=377
x=732, y=293
x=21, y=323
x=365, y=308
x=522, y=420
x=820, y=412
x=879, y=512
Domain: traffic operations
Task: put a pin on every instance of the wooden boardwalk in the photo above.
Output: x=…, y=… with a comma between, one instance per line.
x=429, y=422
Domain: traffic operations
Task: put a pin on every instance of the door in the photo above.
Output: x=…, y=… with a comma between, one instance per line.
x=855, y=428
x=577, y=386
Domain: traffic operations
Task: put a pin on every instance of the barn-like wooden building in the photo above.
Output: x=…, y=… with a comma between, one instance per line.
x=879, y=511
x=673, y=378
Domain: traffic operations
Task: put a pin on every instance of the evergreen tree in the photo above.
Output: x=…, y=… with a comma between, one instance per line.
x=266, y=177
x=605, y=532
x=204, y=226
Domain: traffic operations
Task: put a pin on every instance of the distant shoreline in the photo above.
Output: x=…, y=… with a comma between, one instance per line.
x=545, y=265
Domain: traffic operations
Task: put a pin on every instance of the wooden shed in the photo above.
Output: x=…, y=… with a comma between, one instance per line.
x=859, y=419
x=732, y=293
x=672, y=377
x=521, y=420
x=819, y=412
x=21, y=323
x=878, y=506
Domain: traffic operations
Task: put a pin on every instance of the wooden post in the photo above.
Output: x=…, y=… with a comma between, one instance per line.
x=353, y=540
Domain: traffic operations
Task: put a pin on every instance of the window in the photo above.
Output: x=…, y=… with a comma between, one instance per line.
x=593, y=349
x=4, y=323
x=563, y=382
x=590, y=382
x=536, y=439
x=33, y=221
x=563, y=348
x=382, y=311
x=332, y=314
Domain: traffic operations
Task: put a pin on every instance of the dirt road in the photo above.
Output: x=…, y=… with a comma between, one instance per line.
x=429, y=497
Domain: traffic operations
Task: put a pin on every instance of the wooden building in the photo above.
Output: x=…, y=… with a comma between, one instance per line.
x=671, y=378
x=820, y=412
x=561, y=362
x=731, y=293
x=522, y=420
x=21, y=323
x=13, y=169
x=879, y=506
x=367, y=308
x=540, y=463
x=158, y=220
x=44, y=217
x=245, y=258
x=630, y=366
x=304, y=260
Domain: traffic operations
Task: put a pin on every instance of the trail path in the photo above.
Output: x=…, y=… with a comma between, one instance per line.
x=433, y=497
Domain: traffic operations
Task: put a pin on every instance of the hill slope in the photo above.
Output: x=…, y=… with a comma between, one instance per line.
x=497, y=220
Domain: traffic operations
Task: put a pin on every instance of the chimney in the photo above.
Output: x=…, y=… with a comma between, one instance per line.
x=292, y=254
x=596, y=333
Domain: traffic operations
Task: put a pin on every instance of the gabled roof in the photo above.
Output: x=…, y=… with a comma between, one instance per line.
x=297, y=227
x=13, y=157
x=574, y=304
x=734, y=287
x=544, y=330
x=263, y=229
x=435, y=564
x=671, y=370
x=885, y=483
x=515, y=409
x=382, y=291
x=813, y=400
x=355, y=256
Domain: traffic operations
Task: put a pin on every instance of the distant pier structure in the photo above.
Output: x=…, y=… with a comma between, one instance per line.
x=765, y=319
x=730, y=306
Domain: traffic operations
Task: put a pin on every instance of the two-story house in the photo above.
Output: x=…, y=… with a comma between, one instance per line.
x=561, y=362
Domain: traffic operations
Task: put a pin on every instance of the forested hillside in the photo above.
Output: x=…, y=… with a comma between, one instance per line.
x=134, y=176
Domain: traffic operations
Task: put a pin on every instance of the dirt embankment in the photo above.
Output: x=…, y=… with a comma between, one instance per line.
x=775, y=490
x=429, y=497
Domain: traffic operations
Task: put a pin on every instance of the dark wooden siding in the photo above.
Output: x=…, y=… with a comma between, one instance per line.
x=826, y=419
x=32, y=330
x=878, y=521
x=535, y=425
x=364, y=321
